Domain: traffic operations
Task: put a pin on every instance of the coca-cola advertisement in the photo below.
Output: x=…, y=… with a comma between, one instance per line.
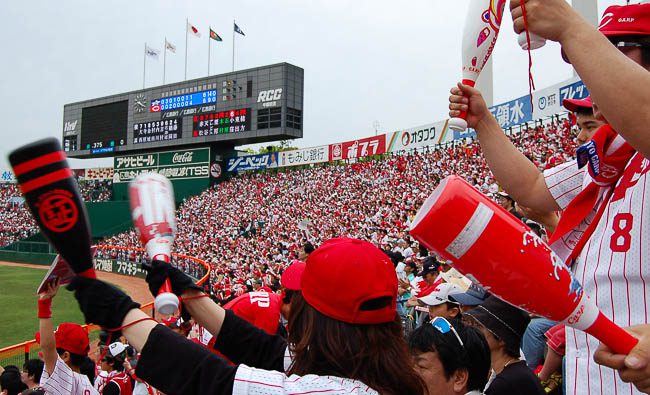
x=358, y=148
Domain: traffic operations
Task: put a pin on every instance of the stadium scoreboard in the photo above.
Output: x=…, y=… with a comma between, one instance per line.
x=257, y=105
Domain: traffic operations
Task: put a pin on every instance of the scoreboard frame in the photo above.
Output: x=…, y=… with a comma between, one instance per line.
x=257, y=105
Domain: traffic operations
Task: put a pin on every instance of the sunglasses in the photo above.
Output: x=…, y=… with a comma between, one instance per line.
x=443, y=326
x=629, y=44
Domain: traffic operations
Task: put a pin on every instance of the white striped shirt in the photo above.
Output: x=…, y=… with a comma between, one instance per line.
x=251, y=381
x=64, y=381
x=612, y=268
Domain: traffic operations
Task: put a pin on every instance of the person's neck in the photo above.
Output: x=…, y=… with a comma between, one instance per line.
x=501, y=361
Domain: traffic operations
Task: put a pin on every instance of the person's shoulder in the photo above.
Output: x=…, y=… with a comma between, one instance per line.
x=516, y=379
x=249, y=380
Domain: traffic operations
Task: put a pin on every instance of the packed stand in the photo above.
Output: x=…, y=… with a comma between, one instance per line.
x=251, y=227
x=16, y=223
x=96, y=190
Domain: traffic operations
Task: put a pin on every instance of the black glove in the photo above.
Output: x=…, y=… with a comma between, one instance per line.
x=158, y=271
x=101, y=303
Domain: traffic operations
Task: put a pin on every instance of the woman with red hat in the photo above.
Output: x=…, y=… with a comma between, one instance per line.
x=345, y=335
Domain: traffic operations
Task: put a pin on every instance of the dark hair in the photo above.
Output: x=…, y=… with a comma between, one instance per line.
x=511, y=348
x=584, y=111
x=287, y=295
x=87, y=367
x=473, y=356
x=34, y=367
x=308, y=248
x=75, y=359
x=376, y=355
x=10, y=381
x=104, y=337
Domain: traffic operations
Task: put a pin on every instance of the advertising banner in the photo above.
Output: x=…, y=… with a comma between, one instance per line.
x=252, y=162
x=99, y=173
x=421, y=136
x=7, y=176
x=514, y=112
x=549, y=101
x=186, y=164
x=358, y=148
x=126, y=268
x=546, y=102
x=304, y=156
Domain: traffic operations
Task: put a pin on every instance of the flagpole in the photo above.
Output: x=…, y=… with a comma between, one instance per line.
x=187, y=22
x=209, y=46
x=233, y=45
x=164, y=60
x=144, y=67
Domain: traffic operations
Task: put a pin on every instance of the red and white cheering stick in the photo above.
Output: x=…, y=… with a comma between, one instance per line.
x=480, y=34
x=482, y=26
x=490, y=246
x=154, y=218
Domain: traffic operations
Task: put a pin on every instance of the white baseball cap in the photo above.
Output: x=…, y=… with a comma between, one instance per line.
x=441, y=294
x=116, y=348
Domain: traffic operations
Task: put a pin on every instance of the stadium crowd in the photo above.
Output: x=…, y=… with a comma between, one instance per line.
x=313, y=234
x=16, y=222
x=251, y=227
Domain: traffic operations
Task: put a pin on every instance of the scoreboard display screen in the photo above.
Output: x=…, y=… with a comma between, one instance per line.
x=163, y=130
x=183, y=101
x=224, y=122
x=258, y=105
x=104, y=127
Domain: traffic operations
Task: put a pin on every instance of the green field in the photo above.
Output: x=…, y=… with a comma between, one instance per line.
x=18, y=321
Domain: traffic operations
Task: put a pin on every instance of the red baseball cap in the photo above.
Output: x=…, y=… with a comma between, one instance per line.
x=575, y=105
x=624, y=20
x=72, y=338
x=346, y=279
x=292, y=275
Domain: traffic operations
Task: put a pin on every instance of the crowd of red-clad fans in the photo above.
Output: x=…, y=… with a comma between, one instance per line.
x=96, y=190
x=247, y=228
x=251, y=227
x=16, y=223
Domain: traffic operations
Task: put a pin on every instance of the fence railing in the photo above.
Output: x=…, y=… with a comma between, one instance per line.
x=39, y=247
x=20, y=353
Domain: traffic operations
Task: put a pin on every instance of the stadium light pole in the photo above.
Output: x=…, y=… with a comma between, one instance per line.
x=376, y=125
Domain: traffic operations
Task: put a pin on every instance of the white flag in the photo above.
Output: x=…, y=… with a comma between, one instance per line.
x=152, y=52
x=171, y=47
x=191, y=29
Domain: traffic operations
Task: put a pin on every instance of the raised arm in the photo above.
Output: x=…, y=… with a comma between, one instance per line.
x=617, y=84
x=45, y=328
x=516, y=174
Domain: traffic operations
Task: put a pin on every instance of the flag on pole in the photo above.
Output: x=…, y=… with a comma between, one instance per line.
x=191, y=29
x=152, y=52
x=169, y=46
x=238, y=30
x=215, y=36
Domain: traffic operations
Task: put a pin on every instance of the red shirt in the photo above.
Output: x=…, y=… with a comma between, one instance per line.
x=122, y=380
x=261, y=309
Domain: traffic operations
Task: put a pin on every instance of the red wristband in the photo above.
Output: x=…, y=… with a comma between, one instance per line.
x=45, y=308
